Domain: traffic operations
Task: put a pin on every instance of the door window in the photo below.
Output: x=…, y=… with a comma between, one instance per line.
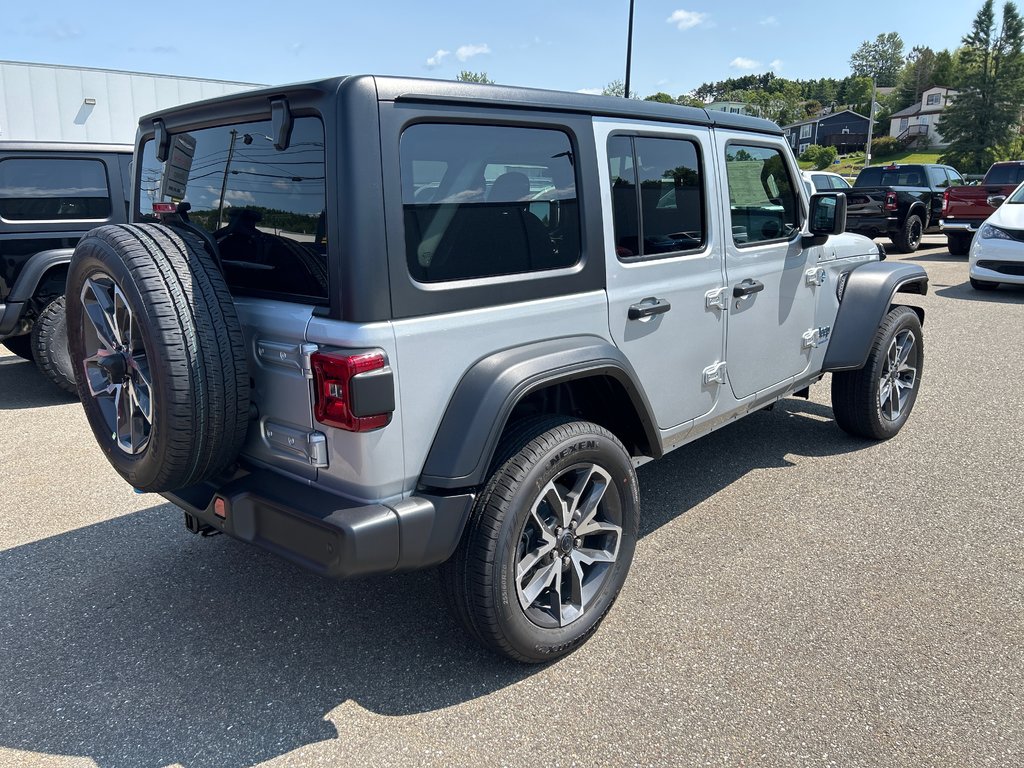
x=657, y=196
x=762, y=196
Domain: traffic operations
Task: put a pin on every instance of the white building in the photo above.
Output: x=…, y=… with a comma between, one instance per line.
x=43, y=102
x=921, y=120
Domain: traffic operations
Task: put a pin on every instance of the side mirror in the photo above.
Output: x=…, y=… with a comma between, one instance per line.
x=827, y=217
x=995, y=200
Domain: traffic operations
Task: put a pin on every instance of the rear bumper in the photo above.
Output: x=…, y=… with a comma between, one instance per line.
x=873, y=226
x=326, y=533
x=967, y=227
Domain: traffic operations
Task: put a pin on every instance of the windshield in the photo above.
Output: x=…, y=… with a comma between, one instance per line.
x=1017, y=196
x=265, y=208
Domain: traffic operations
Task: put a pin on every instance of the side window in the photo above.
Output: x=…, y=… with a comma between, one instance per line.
x=838, y=182
x=937, y=177
x=955, y=179
x=265, y=208
x=657, y=195
x=481, y=201
x=762, y=196
x=51, y=189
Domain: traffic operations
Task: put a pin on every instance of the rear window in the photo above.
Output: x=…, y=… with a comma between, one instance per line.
x=482, y=201
x=903, y=176
x=1006, y=174
x=53, y=189
x=265, y=208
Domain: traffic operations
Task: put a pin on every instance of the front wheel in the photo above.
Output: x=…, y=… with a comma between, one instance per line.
x=908, y=238
x=875, y=401
x=549, y=542
x=959, y=244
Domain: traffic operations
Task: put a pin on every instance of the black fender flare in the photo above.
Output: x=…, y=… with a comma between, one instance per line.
x=28, y=281
x=869, y=293
x=484, y=398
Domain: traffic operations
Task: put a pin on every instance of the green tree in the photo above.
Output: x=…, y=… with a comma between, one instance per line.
x=881, y=59
x=689, y=100
x=946, y=70
x=661, y=97
x=916, y=77
x=982, y=122
x=617, y=88
x=466, y=76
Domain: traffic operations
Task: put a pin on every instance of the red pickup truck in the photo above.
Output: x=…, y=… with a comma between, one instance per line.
x=965, y=208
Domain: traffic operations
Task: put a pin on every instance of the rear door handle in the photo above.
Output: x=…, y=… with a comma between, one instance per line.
x=649, y=308
x=747, y=287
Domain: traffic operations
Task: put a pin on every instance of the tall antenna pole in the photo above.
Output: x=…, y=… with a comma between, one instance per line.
x=629, y=48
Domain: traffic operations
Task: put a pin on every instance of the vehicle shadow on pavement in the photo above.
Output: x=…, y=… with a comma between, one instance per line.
x=695, y=472
x=1004, y=294
x=23, y=386
x=134, y=643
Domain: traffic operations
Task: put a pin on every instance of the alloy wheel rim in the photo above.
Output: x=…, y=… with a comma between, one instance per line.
x=568, y=546
x=116, y=365
x=898, y=377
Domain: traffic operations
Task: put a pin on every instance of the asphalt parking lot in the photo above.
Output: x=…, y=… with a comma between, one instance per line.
x=798, y=598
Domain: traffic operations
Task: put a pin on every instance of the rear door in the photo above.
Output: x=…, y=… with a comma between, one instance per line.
x=771, y=299
x=666, y=307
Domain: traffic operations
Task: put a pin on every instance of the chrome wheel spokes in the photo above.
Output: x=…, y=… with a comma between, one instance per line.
x=898, y=377
x=569, y=542
x=117, y=370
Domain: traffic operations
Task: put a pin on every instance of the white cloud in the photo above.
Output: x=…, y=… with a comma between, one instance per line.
x=769, y=21
x=775, y=64
x=742, y=63
x=686, y=19
x=591, y=91
x=464, y=52
x=435, y=61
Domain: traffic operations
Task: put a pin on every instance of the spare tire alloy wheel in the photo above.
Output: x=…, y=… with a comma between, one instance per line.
x=158, y=354
x=117, y=367
x=899, y=376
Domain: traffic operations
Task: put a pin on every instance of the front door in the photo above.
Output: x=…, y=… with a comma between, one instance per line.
x=664, y=262
x=771, y=300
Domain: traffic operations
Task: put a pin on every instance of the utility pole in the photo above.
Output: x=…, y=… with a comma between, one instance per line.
x=224, y=184
x=871, y=124
x=629, y=48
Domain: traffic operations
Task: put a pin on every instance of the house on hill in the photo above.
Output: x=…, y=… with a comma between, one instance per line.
x=920, y=121
x=847, y=131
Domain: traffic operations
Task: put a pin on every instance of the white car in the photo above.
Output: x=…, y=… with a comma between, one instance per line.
x=997, y=252
x=823, y=181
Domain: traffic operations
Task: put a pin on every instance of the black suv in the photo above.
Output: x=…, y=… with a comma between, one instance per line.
x=50, y=195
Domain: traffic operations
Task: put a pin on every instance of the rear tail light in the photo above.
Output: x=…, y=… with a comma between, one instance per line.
x=890, y=201
x=945, y=202
x=347, y=384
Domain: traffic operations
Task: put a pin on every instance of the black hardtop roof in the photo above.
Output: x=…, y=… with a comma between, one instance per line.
x=62, y=146
x=424, y=90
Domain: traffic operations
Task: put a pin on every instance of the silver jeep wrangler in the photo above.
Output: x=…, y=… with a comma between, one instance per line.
x=378, y=324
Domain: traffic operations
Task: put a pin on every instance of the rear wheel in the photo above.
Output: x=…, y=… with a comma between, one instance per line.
x=20, y=345
x=983, y=285
x=909, y=237
x=158, y=353
x=959, y=244
x=875, y=401
x=50, y=346
x=549, y=542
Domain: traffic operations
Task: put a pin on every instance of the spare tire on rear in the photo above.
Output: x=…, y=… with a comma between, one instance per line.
x=158, y=353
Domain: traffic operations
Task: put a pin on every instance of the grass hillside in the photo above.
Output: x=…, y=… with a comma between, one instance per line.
x=850, y=165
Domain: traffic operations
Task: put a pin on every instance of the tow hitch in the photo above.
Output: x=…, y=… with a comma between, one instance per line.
x=195, y=525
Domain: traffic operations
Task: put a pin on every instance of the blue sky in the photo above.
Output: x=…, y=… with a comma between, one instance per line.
x=563, y=44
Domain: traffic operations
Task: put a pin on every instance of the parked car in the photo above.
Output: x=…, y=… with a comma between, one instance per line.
x=901, y=202
x=965, y=208
x=465, y=367
x=997, y=252
x=824, y=181
x=50, y=195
